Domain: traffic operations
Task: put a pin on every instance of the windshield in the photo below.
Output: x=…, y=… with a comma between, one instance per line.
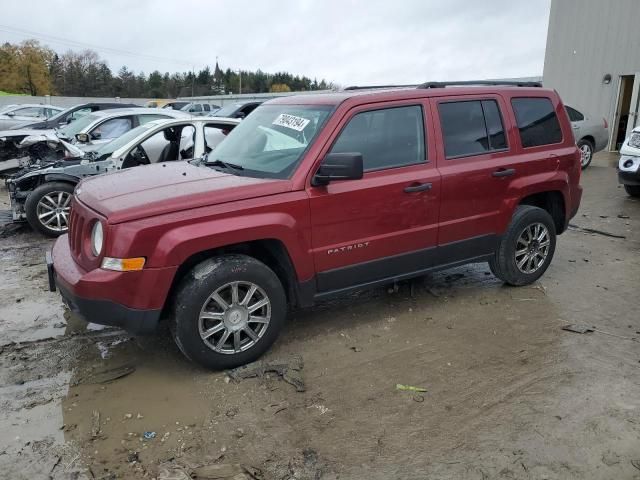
x=7, y=108
x=69, y=131
x=271, y=141
x=106, y=149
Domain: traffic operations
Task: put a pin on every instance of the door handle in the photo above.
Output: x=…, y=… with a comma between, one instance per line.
x=576, y=127
x=504, y=172
x=420, y=187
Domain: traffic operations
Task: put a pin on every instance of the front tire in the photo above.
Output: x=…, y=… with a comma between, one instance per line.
x=228, y=311
x=48, y=208
x=586, y=152
x=633, y=190
x=526, y=249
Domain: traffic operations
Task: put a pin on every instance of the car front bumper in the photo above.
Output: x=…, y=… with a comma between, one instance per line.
x=629, y=178
x=74, y=284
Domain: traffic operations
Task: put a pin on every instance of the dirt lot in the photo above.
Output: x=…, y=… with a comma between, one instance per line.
x=509, y=394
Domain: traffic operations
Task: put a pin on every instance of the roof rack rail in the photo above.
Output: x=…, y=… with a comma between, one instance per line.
x=512, y=83
x=372, y=87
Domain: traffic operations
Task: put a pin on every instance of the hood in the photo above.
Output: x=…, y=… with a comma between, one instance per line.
x=22, y=132
x=36, y=126
x=627, y=149
x=163, y=188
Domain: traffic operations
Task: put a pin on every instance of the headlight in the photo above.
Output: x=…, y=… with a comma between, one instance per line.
x=634, y=140
x=97, y=238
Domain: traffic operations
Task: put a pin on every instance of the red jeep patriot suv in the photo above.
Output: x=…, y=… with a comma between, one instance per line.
x=312, y=196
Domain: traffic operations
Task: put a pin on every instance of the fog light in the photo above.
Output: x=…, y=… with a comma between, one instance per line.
x=628, y=164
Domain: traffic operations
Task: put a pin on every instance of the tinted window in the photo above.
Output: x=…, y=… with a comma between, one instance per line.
x=495, y=129
x=537, y=121
x=206, y=107
x=574, y=115
x=471, y=128
x=387, y=138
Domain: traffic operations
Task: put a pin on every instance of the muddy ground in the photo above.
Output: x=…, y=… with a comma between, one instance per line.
x=509, y=394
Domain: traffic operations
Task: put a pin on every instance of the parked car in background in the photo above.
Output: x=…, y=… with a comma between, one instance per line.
x=88, y=131
x=316, y=196
x=237, y=110
x=13, y=116
x=200, y=109
x=175, y=105
x=629, y=164
x=159, y=103
x=591, y=135
x=10, y=139
x=75, y=112
x=41, y=194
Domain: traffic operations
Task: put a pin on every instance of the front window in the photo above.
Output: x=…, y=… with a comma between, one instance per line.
x=69, y=131
x=272, y=140
x=106, y=149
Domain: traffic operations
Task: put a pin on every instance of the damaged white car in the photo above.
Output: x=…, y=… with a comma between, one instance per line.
x=86, y=132
x=629, y=163
x=41, y=193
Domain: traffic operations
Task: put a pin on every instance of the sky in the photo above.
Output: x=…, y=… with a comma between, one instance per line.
x=348, y=42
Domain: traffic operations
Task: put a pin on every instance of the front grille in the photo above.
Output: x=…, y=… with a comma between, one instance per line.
x=75, y=232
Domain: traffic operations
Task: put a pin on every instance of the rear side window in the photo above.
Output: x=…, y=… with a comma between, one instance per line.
x=387, y=138
x=537, y=121
x=574, y=115
x=471, y=128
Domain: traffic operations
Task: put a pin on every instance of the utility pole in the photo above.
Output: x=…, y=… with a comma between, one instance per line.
x=193, y=78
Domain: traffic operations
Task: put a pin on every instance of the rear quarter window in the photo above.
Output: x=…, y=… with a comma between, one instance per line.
x=537, y=121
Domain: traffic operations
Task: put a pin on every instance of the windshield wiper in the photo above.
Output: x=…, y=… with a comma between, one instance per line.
x=220, y=163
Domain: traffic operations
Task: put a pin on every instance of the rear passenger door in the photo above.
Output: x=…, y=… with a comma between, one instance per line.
x=477, y=164
x=384, y=224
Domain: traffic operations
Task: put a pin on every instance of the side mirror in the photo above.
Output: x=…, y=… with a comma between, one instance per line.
x=339, y=166
x=82, y=137
x=240, y=115
x=11, y=114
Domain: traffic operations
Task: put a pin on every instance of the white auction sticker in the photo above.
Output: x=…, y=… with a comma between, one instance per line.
x=291, y=121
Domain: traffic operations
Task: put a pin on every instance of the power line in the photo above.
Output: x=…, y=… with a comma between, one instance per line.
x=78, y=44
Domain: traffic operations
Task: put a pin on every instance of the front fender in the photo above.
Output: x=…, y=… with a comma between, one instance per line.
x=175, y=245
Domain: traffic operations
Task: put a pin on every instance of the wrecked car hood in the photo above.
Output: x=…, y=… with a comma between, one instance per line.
x=150, y=190
x=22, y=132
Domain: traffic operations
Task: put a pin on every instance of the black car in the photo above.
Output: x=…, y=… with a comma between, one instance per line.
x=236, y=110
x=71, y=114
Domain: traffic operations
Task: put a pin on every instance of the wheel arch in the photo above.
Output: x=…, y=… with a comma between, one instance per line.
x=552, y=202
x=270, y=251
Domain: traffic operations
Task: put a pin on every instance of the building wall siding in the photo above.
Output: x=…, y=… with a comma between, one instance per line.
x=586, y=40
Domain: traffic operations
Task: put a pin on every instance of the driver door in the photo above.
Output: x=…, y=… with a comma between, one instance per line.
x=384, y=225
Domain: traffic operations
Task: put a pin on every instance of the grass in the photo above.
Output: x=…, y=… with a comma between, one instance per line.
x=5, y=94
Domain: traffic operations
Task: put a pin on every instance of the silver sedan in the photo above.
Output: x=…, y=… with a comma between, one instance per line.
x=591, y=135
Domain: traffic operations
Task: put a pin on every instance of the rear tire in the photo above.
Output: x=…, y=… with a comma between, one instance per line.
x=633, y=190
x=206, y=309
x=586, y=152
x=48, y=208
x=527, y=247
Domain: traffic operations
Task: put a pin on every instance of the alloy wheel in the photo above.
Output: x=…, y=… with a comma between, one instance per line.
x=585, y=154
x=234, y=317
x=532, y=248
x=53, y=211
